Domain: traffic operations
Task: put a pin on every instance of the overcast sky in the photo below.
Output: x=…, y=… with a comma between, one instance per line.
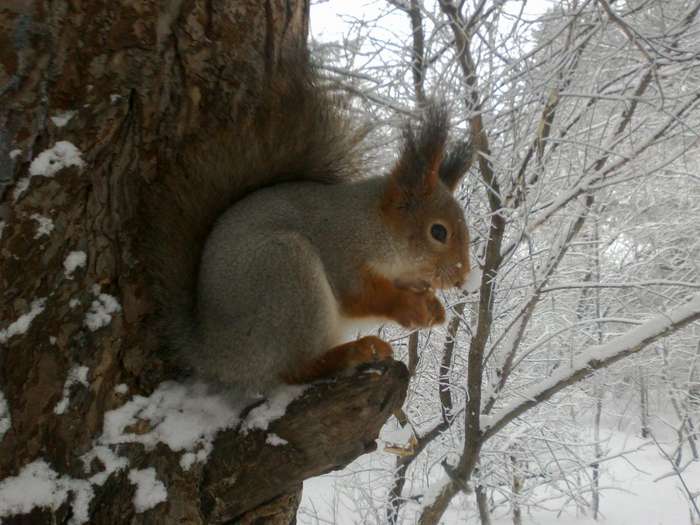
x=328, y=17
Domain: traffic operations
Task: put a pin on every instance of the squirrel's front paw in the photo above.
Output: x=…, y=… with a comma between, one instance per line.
x=421, y=310
x=337, y=360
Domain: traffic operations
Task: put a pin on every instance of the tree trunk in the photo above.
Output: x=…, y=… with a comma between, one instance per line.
x=482, y=503
x=643, y=404
x=114, y=90
x=517, y=489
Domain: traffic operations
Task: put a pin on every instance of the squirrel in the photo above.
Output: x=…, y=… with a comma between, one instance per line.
x=270, y=241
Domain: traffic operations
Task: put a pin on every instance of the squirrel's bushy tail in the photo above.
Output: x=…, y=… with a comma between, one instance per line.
x=293, y=130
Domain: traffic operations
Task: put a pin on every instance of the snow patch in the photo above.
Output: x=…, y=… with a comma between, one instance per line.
x=121, y=388
x=149, y=490
x=38, y=485
x=273, y=408
x=73, y=303
x=20, y=188
x=15, y=153
x=45, y=225
x=274, y=440
x=111, y=462
x=51, y=161
x=101, y=310
x=77, y=374
x=5, y=420
x=73, y=261
x=61, y=119
x=190, y=458
x=21, y=325
x=184, y=418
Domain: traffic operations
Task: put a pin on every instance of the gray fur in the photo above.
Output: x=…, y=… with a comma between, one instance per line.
x=272, y=271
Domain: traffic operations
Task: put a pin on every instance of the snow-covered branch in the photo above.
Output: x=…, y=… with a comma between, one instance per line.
x=638, y=284
x=595, y=358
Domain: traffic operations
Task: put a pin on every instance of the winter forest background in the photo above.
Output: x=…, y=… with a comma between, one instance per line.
x=585, y=209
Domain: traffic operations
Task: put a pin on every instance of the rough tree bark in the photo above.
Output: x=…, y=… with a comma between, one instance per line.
x=137, y=77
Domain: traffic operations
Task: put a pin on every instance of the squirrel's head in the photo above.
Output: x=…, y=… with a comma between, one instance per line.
x=419, y=208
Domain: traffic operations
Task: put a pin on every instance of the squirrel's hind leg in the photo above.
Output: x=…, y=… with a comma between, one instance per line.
x=368, y=349
x=266, y=309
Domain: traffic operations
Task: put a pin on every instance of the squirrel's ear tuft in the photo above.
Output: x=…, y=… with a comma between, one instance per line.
x=455, y=164
x=418, y=167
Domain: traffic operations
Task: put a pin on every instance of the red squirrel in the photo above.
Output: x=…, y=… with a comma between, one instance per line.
x=273, y=239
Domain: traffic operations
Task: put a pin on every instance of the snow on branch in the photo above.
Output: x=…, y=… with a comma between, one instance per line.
x=595, y=358
x=635, y=284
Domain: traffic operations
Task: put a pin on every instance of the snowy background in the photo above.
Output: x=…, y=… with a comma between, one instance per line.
x=635, y=419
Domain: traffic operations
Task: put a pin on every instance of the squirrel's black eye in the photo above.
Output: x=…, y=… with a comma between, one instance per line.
x=439, y=232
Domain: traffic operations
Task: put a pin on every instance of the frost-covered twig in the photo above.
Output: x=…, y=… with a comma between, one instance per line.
x=691, y=498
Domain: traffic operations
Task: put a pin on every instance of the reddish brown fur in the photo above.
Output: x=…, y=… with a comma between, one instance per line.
x=379, y=297
x=365, y=350
x=376, y=297
x=405, y=213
